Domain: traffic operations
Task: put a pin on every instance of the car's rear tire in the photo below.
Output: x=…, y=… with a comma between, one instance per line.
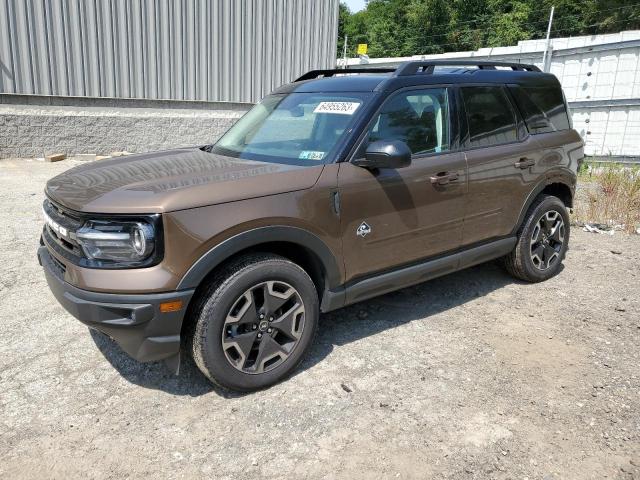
x=254, y=322
x=543, y=240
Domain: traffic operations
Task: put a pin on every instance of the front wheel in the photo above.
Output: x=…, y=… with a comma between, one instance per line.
x=542, y=243
x=255, y=322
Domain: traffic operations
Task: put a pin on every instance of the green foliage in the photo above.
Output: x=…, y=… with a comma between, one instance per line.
x=395, y=28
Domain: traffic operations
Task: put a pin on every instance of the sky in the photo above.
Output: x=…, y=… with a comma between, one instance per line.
x=354, y=5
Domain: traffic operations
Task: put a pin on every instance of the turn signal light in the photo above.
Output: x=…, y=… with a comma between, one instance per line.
x=167, y=307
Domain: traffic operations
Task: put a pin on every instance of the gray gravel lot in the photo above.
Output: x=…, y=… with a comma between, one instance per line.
x=472, y=375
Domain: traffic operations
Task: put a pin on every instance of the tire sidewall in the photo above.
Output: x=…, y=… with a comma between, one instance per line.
x=218, y=305
x=549, y=203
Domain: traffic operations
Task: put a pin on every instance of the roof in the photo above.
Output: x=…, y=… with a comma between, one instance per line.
x=418, y=73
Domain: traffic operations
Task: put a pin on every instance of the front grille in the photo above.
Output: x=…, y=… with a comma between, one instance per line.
x=59, y=267
x=66, y=243
x=62, y=216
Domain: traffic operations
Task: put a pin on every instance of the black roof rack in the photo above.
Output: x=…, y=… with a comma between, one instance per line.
x=428, y=66
x=419, y=67
x=330, y=73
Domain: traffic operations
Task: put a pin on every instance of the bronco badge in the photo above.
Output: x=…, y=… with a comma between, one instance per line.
x=363, y=230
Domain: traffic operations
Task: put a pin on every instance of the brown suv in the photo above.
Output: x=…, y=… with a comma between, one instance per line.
x=333, y=189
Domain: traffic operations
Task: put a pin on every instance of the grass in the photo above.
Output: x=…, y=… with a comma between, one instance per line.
x=609, y=194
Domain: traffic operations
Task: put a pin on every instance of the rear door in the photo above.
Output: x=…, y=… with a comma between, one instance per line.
x=501, y=159
x=392, y=217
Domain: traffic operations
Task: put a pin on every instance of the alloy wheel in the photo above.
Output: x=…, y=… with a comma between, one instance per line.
x=547, y=240
x=263, y=327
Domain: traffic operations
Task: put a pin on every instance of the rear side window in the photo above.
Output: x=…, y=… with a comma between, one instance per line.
x=490, y=116
x=543, y=108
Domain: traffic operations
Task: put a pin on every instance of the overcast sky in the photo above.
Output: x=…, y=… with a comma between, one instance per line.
x=355, y=5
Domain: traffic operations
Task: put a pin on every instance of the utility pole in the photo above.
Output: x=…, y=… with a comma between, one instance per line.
x=344, y=54
x=548, y=43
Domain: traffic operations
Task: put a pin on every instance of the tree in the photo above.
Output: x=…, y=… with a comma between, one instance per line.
x=468, y=27
x=510, y=22
x=386, y=27
x=427, y=27
x=354, y=26
x=413, y=27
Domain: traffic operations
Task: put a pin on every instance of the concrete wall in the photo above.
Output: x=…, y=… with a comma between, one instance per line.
x=35, y=126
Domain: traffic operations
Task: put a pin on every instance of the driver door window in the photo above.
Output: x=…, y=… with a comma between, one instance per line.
x=420, y=118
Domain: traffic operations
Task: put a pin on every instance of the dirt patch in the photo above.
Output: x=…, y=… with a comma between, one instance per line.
x=473, y=375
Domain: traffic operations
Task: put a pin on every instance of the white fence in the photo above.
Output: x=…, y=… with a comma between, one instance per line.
x=600, y=75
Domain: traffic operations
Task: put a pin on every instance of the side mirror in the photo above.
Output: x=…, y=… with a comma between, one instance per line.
x=385, y=154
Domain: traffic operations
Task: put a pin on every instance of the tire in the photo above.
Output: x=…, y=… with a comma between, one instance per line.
x=232, y=345
x=532, y=259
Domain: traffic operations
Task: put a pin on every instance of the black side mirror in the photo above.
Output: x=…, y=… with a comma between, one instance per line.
x=385, y=154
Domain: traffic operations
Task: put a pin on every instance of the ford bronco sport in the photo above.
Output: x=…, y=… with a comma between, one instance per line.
x=338, y=187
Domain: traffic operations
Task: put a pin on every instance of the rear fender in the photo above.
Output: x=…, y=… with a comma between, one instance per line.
x=555, y=177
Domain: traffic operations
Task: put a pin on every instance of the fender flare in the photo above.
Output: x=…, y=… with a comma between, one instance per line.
x=555, y=178
x=251, y=238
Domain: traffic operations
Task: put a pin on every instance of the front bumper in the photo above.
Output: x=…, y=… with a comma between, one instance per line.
x=135, y=322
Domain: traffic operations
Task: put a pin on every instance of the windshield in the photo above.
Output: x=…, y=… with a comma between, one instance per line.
x=298, y=128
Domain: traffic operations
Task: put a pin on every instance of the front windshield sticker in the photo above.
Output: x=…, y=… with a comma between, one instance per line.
x=310, y=155
x=343, y=108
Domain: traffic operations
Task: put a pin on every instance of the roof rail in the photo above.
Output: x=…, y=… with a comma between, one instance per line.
x=330, y=73
x=428, y=66
x=419, y=67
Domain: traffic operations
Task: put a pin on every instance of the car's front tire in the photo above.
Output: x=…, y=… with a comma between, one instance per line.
x=543, y=240
x=255, y=322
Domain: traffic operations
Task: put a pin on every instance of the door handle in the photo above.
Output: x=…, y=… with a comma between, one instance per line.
x=524, y=162
x=444, y=178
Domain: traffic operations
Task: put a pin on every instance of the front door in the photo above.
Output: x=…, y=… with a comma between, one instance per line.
x=393, y=217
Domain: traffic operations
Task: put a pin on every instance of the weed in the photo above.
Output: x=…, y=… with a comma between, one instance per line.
x=609, y=194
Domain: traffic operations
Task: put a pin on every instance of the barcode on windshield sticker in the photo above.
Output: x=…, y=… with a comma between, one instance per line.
x=311, y=155
x=343, y=108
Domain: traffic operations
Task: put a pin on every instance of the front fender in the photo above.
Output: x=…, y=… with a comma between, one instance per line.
x=254, y=237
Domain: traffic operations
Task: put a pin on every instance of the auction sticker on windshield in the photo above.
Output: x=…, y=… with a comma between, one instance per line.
x=343, y=108
x=310, y=155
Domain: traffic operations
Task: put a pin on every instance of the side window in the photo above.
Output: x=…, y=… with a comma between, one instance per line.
x=420, y=118
x=543, y=108
x=490, y=117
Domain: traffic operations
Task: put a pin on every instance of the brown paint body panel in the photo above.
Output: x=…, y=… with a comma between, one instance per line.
x=410, y=218
x=161, y=182
x=497, y=188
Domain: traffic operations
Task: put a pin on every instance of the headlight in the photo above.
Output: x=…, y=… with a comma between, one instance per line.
x=117, y=241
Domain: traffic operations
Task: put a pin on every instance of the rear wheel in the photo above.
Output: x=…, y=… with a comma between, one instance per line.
x=542, y=243
x=255, y=322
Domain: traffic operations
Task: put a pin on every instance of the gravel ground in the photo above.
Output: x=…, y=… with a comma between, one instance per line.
x=473, y=375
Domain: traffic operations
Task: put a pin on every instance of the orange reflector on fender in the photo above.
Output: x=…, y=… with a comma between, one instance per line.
x=167, y=307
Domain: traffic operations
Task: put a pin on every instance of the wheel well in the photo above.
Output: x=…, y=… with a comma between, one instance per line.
x=560, y=190
x=298, y=254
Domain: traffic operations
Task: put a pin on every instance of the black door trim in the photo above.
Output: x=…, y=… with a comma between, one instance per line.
x=389, y=281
